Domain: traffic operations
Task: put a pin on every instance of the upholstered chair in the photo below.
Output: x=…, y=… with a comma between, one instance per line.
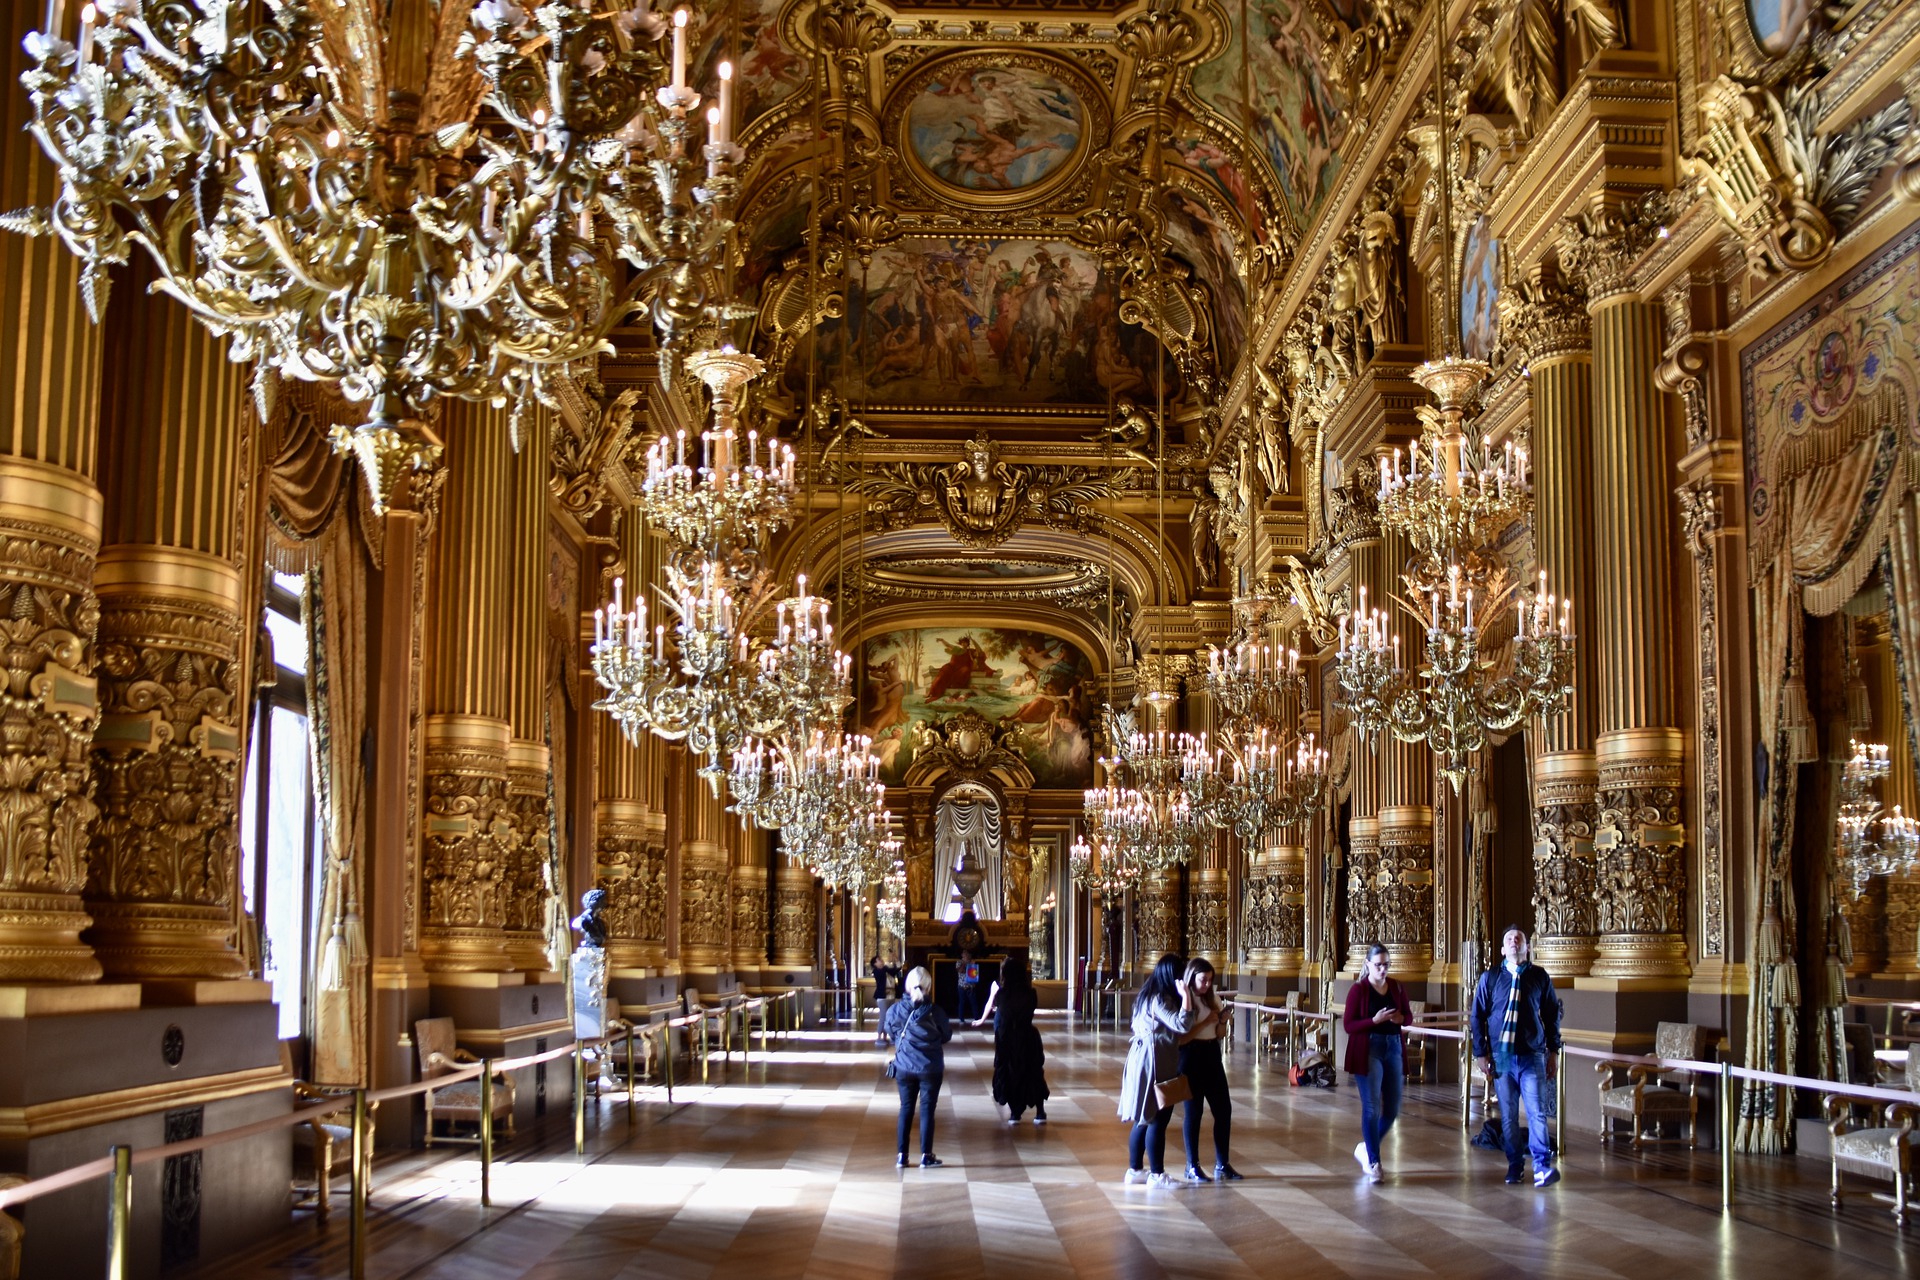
x=459, y=1102
x=1650, y=1097
x=1884, y=1149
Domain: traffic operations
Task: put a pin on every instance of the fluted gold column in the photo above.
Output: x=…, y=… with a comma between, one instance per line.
x=706, y=904
x=471, y=840
x=50, y=518
x=1364, y=900
x=1403, y=901
x=630, y=815
x=163, y=861
x=1550, y=323
x=529, y=759
x=751, y=909
x=1641, y=874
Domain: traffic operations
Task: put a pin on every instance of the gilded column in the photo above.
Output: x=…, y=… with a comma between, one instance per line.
x=1549, y=322
x=1367, y=557
x=50, y=523
x=471, y=841
x=163, y=861
x=529, y=759
x=1403, y=878
x=1209, y=893
x=1640, y=870
x=1275, y=908
x=796, y=933
x=630, y=815
x=706, y=904
x=1158, y=903
x=751, y=912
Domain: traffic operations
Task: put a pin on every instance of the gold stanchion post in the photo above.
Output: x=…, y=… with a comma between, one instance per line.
x=119, y=1213
x=579, y=1098
x=486, y=1133
x=362, y=1161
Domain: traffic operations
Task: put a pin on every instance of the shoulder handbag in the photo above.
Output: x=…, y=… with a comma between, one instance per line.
x=1174, y=1090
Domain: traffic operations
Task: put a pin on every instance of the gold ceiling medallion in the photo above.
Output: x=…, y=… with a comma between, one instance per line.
x=969, y=744
x=983, y=501
x=1005, y=129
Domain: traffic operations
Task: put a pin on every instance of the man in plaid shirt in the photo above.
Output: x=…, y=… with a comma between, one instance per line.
x=1515, y=1026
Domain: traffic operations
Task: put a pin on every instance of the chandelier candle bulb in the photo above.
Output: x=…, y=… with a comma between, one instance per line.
x=724, y=122
x=680, y=17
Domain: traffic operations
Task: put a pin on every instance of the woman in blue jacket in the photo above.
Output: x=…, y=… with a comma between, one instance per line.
x=919, y=1031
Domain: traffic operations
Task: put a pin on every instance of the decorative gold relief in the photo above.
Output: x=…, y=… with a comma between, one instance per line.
x=1600, y=247
x=1363, y=909
x=794, y=918
x=1403, y=888
x=1565, y=918
x=631, y=865
x=49, y=535
x=1640, y=873
x=750, y=918
x=1157, y=907
x=164, y=852
x=1700, y=521
x=471, y=843
x=1784, y=186
x=706, y=907
x=1207, y=915
x=983, y=501
x=524, y=858
x=1545, y=318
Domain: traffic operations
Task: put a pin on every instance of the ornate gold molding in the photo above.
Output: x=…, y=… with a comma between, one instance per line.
x=1157, y=908
x=1600, y=247
x=1640, y=868
x=631, y=866
x=1545, y=318
x=1565, y=920
x=164, y=853
x=705, y=905
x=794, y=919
x=1208, y=898
x=470, y=841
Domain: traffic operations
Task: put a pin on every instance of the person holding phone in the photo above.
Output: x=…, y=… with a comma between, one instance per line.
x=1163, y=1011
x=1202, y=1063
x=1376, y=1018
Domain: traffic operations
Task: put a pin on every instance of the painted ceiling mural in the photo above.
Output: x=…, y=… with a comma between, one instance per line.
x=1270, y=83
x=995, y=129
x=1037, y=684
x=1004, y=322
x=768, y=70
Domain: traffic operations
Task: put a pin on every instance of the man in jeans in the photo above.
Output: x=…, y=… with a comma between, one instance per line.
x=1515, y=1026
x=967, y=972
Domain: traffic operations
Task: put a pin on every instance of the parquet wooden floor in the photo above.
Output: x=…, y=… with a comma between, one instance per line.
x=785, y=1169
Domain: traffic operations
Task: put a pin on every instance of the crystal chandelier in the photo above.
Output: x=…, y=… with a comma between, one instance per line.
x=890, y=913
x=1153, y=805
x=1262, y=784
x=1251, y=683
x=1872, y=841
x=1100, y=866
x=717, y=512
x=1452, y=503
x=400, y=214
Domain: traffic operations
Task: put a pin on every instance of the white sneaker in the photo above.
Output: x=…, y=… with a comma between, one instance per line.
x=1162, y=1182
x=1360, y=1154
x=1132, y=1176
x=1376, y=1173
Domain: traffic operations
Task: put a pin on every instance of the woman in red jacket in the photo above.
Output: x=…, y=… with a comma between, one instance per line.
x=1377, y=1012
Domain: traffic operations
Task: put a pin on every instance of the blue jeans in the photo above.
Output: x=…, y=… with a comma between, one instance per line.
x=1525, y=1080
x=1380, y=1091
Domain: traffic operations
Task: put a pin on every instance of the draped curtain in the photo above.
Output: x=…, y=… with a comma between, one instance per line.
x=962, y=826
x=1839, y=521
x=320, y=527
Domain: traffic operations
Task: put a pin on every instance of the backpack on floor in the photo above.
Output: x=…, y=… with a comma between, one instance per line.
x=1310, y=1067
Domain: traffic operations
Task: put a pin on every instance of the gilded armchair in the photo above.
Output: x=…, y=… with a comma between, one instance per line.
x=1883, y=1149
x=458, y=1102
x=1651, y=1096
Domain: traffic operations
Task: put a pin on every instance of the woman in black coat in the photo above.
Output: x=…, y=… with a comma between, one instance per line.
x=1019, y=1062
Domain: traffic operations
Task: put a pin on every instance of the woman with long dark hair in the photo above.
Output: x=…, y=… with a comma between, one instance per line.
x=1019, y=1061
x=1376, y=1015
x=1162, y=1013
x=1206, y=1072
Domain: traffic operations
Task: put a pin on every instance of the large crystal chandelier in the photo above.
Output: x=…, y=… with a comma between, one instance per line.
x=1872, y=842
x=1101, y=866
x=717, y=510
x=1152, y=805
x=1453, y=501
x=1257, y=781
x=360, y=198
x=890, y=913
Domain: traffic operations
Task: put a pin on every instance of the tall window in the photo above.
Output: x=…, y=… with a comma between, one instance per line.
x=279, y=832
